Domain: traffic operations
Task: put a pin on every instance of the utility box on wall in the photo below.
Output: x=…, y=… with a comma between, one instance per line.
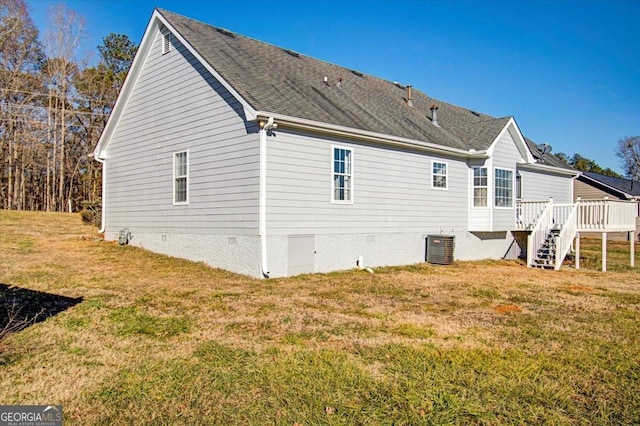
x=440, y=249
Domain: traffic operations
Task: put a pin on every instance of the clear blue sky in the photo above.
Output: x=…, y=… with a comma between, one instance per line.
x=568, y=70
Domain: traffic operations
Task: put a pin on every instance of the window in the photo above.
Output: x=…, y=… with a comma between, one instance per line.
x=180, y=177
x=439, y=175
x=480, y=187
x=503, y=188
x=166, y=43
x=342, y=174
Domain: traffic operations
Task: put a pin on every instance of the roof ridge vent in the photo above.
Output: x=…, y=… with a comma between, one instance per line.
x=225, y=32
x=477, y=114
x=292, y=53
x=398, y=85
x=358, y=73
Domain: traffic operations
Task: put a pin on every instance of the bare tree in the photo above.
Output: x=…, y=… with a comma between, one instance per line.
x=63, y=39
x=629, y=153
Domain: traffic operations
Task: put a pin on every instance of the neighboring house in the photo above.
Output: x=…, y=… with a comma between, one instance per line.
x=592, y=186
x=266, y=162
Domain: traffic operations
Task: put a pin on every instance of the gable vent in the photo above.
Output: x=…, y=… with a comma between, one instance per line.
x=166, y=43
x=225, y=32
x=292, y=53
x=358, y=73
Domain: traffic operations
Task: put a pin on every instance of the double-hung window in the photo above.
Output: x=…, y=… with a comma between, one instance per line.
x=439, y=175
x=181, y=177
x=503, y=188
x=480, y=187
x=342, y=175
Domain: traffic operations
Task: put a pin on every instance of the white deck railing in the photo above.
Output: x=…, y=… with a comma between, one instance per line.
x=561, y=213
x=567, y=234
x=528, y=212
x=540, y=231
x=606, y=215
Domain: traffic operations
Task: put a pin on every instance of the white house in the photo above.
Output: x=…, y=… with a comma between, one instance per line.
x=263, y=161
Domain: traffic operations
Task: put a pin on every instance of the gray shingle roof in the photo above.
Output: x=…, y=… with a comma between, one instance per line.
x=627, y=186
x=279, y=81
x=548, y=159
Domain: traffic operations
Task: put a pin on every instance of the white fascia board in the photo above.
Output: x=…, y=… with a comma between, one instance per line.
x=136, y=67
x=551, y=169
x=134, y=71
x=368, y=136
x=517, y=137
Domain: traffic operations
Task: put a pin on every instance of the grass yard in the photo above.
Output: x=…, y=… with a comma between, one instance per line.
x=139, y=338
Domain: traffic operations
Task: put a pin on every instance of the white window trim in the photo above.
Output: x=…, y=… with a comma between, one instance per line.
x=173, y=182
x=473, y=187
x=446, y=176
x=352, y=180
x=513, y=189
x=166, y=43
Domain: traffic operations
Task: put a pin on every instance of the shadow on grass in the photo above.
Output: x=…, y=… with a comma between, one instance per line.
x=21, y=308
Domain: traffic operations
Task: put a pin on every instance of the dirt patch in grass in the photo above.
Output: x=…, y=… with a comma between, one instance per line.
x=507, y=309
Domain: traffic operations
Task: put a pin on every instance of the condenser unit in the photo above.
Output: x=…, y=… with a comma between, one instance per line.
x=440, y=249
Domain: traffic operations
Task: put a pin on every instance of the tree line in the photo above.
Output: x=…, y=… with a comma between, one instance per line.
x=53, y=108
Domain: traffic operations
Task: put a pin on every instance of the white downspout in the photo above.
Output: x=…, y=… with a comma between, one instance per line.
x=264, y=127
x=103, y=211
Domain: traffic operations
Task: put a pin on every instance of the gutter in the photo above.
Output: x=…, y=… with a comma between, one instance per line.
x=264, y=128
x=365, y=135
x=103, y=213
x=558, y=170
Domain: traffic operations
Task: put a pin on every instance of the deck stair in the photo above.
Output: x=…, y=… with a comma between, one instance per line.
x=546, y=255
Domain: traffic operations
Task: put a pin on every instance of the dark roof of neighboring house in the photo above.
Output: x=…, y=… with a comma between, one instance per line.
x=276, y=80
x=626, y=186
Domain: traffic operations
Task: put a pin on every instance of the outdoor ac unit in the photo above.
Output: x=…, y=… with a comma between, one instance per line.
x=440, y=249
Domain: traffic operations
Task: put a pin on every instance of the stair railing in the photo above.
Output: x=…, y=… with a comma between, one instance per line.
x=539, y=233
x=566, y=236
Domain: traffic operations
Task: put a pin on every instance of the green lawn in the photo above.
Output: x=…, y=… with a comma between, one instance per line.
x=134, y=337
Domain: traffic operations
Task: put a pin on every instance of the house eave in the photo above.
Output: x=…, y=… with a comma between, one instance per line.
x=547, y=168
x=367, y=136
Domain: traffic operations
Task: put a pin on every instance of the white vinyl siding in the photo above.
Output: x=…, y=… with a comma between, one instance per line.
x=342, y=175
x=503, y=188
x=480, y=187
x=174, y=106
x=393, y=194
x=439, y=175
x=181, y=177
x=540, y=186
